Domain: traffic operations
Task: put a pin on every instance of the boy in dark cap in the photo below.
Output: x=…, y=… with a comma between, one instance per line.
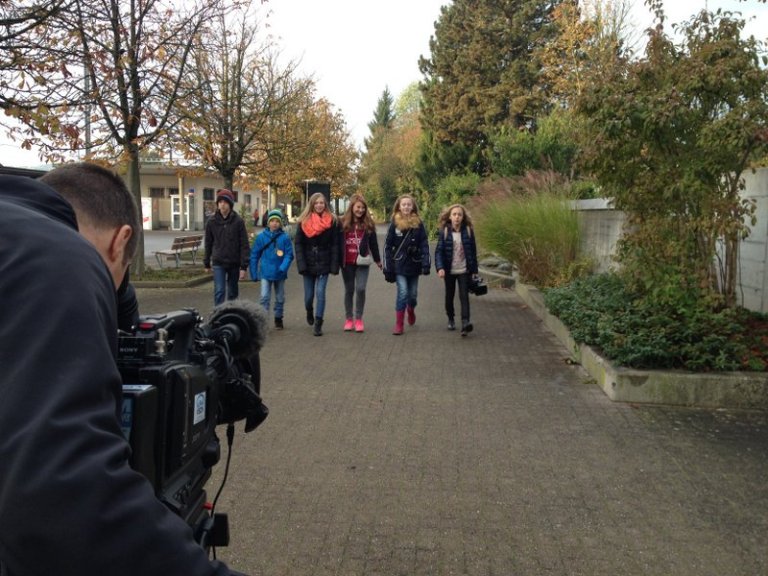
x=226, y=248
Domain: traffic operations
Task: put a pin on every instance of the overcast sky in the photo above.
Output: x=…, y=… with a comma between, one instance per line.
x=356, y=48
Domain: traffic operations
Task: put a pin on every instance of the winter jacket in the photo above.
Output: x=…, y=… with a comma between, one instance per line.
x=69, y=502
x=406, y=251
x=444, y=249
x=369, y=244
x=319, y=254
x=266, y=264
x=226, y=241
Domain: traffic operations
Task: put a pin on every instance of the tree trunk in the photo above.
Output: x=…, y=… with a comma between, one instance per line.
x=133, y=179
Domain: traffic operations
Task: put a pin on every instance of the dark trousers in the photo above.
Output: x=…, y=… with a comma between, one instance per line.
x=451, y=280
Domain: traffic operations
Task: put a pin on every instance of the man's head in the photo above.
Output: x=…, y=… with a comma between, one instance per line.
x=106, y=212
x=225, y=201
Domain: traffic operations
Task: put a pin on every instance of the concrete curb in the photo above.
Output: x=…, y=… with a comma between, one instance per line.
x=742, y=390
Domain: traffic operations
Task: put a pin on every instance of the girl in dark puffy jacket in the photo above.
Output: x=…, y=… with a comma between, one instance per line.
x=406, y=251
x=317, y=255
x=456, y=261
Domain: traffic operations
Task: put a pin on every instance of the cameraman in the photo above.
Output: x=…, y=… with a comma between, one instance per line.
x=69, y=502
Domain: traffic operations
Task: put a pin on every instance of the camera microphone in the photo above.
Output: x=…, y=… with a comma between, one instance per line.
x=241, y=324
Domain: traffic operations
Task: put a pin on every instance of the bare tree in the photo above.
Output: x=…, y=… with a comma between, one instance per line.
x=104, y=77
x=237, y=91
x=250, y=117
x=16, y=22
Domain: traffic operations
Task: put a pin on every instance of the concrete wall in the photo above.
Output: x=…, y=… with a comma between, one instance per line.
x=753, y=289
x=601, y=228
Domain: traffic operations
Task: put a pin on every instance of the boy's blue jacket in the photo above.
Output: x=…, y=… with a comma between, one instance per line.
x=265, y=253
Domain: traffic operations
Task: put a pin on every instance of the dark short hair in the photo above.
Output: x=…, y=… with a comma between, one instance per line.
x=99, y=197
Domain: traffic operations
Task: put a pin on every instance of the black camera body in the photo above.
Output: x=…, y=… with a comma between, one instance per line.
x=181, y=379
x=477, y=286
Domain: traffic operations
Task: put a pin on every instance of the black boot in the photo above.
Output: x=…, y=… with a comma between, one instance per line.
x=451, y=323
x=278, y=323
x=310, y=316
x=466, y=327
x=318, y=326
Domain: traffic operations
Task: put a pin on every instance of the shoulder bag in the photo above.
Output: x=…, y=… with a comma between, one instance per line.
x=361, y=260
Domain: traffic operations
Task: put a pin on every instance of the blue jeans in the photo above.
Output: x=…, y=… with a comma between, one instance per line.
x=407, y=292
x=266, y=295
x=225, y=279
x=315, y=286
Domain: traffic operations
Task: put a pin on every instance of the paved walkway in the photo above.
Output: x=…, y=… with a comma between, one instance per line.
x=429, y=454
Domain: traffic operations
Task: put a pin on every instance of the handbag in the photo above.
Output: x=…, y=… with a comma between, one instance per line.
x=366, y=260
x=361, y=260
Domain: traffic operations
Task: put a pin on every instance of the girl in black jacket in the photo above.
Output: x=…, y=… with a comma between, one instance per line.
x=317, y=255
x=456, y=261
x=406, y=252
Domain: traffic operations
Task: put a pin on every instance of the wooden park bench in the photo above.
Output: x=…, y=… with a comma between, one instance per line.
x=181, y=245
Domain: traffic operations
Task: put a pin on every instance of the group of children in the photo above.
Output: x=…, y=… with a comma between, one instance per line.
x=325, y=245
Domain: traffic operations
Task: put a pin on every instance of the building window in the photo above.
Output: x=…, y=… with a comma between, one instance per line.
x=173, y=191
x=208, y=194
x=157, y=192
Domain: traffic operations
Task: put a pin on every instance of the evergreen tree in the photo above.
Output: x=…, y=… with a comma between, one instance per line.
x=482, y=73
x=383, y=117
x=386, y=167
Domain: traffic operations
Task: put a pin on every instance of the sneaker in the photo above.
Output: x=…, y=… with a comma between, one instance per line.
x=278, y=323
x=348, y=325
x=451, y=324
x=359, y=326
x=466, y=328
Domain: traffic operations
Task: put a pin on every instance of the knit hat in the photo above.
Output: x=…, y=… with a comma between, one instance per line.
x=227, y=195
x=275, y=214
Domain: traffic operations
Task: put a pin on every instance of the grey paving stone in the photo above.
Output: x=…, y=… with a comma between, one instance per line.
x=432, y=454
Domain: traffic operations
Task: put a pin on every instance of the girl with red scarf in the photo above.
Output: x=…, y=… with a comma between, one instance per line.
x=317, y=255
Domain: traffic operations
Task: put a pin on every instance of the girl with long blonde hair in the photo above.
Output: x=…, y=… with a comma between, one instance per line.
x=317, y=255
x=406, y=251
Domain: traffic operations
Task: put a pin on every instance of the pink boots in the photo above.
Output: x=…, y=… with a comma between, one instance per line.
x=411, y=316
x=399, y=319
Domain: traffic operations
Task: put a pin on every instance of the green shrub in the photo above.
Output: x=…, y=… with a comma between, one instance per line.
x=638, y=331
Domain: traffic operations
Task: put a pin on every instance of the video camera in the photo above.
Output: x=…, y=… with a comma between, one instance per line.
x=181, y=378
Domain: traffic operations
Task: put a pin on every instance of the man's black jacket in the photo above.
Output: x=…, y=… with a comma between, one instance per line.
x=69, y=502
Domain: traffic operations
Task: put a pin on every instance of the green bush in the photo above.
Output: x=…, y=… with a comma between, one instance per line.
x=639, y=332
x=552, y=145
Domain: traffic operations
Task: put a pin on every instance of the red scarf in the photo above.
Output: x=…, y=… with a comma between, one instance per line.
x=316, y=224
